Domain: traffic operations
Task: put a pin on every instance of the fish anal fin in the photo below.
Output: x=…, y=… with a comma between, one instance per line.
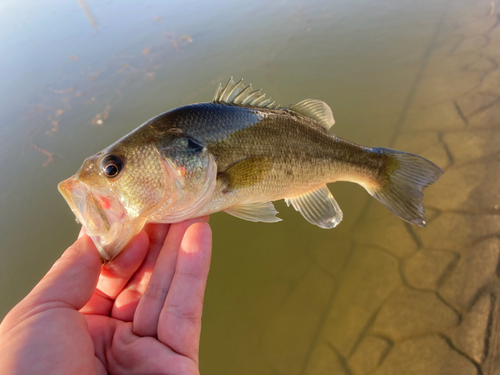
x=316, y=110
x=318, y=207
x=246, y=172
x=236, y=93
x=261, y=211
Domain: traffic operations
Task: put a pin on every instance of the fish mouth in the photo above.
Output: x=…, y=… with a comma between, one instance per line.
x=85, y=206
x=102, y=214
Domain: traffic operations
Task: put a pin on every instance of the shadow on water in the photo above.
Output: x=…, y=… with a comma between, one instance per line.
x=374, y=295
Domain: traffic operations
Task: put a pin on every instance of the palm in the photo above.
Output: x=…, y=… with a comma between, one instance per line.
x=131, y=353
x=144, y=316
x=145, y=321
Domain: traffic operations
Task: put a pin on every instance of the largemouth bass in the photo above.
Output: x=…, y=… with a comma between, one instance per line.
x=236, y=154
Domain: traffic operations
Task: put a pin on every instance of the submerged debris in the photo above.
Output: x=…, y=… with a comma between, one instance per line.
x=98, y=119
x=182, y=41
x=50, y=156
x=77, y=86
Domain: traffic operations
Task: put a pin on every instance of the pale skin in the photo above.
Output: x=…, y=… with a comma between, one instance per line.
x=139, y=314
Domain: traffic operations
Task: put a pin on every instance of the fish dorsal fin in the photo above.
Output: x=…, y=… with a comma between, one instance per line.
x=246, y=172
x=315, y=109
x=261, y=211
x=236, y=93
x=318, y=207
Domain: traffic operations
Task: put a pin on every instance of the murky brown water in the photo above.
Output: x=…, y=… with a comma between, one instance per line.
x=373, y=295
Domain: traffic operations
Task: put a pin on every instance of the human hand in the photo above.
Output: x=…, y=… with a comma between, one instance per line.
x=141, y=313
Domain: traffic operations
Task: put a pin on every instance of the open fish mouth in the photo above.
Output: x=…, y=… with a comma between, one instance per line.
x=101, y=213
x=85, y=206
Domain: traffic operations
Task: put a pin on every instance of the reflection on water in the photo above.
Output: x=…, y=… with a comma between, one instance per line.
x=374, y=295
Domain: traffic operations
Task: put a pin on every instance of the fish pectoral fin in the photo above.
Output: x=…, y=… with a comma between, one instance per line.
x=246, y=172
x=318, y=207
x=316, y=110
x=261, y=211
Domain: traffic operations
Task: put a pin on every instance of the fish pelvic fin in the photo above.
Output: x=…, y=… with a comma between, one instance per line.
x=406, y=175
x=261, y=211
x=318, y=207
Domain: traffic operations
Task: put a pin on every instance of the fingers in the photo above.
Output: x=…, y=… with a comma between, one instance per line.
x=179, y=325
x=76, y=270
x=115, y=275
x=129, y=298
x=152, y=301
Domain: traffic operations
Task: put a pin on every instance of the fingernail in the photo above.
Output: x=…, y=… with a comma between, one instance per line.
x=82, y=232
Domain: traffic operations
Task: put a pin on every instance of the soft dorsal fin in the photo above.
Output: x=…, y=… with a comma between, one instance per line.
x=318, y=207
x=261, y=211
x=239, y=94
x=315, y=109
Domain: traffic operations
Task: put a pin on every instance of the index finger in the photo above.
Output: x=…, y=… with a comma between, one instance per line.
x=115, y=275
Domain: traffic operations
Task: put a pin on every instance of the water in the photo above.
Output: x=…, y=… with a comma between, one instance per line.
x=286, y=298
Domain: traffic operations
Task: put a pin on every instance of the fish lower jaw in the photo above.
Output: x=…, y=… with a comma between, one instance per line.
x=102, y=251
x=112, y=243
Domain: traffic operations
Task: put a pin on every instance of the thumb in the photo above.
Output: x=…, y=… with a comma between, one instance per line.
x=72, y=279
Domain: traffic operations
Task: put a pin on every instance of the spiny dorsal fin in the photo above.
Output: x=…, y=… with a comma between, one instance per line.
x=261, y=211
x=239, y=94
x=318, y=207
x=315, y=109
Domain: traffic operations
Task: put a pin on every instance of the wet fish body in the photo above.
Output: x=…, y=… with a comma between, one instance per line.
x=283, y=154
x=236, y=154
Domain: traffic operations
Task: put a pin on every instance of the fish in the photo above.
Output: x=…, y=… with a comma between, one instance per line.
x=236, y=154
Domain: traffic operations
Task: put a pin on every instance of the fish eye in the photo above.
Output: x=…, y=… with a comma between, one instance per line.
x=111, y=165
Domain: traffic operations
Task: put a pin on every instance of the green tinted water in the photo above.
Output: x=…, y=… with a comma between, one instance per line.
x=286, y=298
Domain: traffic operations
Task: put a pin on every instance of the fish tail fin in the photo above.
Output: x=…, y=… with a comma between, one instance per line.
x=404, y=178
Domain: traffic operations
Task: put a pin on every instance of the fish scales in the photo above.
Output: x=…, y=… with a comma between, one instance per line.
x=303, y=153
x=237, y=154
